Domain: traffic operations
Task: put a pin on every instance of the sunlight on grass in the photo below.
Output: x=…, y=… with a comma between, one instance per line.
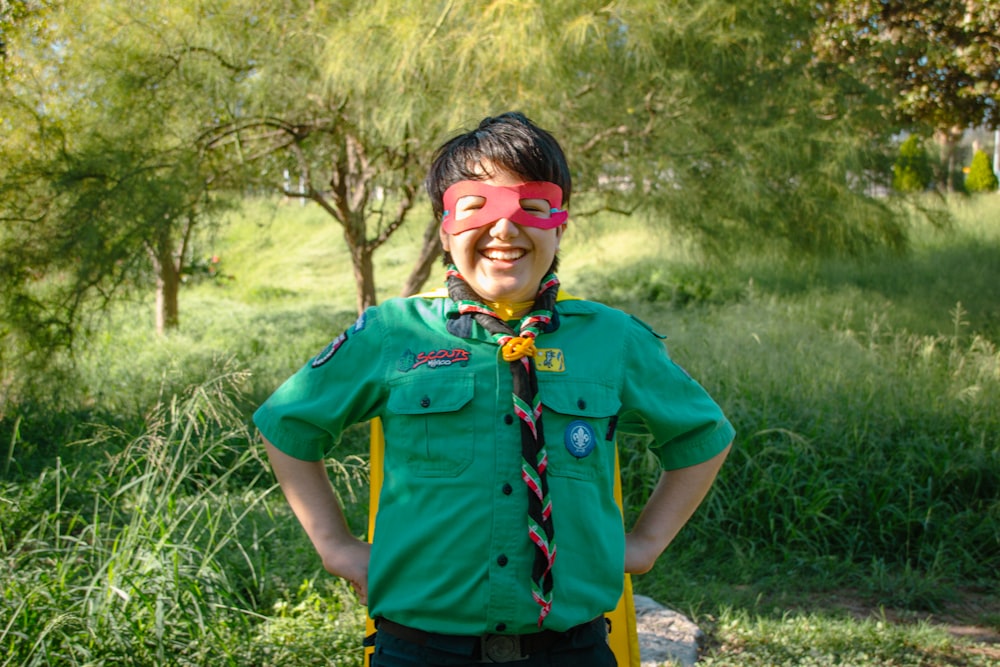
x=283, y=250
x=137, y=518
x=788, y=639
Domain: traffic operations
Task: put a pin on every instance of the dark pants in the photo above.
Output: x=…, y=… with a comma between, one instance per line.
x=583, y=646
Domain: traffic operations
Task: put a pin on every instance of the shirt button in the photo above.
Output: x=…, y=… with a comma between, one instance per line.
x=501, y=627
x=425, y=402
x=580, y=403
x=501, y=560
x=507, y=489
x=507, y=419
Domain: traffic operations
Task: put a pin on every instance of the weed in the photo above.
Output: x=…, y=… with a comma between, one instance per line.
x=139, y=524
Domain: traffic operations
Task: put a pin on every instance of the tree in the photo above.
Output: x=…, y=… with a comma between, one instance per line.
x=912, y=170
x=14, y=15
x=103, y=182
x=706, y=114
x=287, y=116
x=981, y=177
x=702, y=112
x=935, y=65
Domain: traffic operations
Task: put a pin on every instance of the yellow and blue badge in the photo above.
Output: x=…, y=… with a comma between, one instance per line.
x=549, y=360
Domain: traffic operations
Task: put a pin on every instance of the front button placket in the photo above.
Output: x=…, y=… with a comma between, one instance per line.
x=509, y=529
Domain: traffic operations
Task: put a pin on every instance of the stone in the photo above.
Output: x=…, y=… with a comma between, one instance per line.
x=666, y=637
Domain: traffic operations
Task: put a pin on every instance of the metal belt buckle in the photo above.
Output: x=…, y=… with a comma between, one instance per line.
x=501, y=648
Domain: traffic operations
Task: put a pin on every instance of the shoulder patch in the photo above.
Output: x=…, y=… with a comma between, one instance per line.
x=331, y=349
x=328, y=351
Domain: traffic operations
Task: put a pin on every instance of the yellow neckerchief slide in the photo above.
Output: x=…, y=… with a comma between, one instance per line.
x=623, y=636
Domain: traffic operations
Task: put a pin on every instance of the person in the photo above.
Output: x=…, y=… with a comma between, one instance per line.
x=497, y=537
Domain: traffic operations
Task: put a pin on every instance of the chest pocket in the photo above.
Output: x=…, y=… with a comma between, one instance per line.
x=576, y=412
x=427, y=425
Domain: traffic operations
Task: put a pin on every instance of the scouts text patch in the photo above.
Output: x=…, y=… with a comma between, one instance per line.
x=432, y=359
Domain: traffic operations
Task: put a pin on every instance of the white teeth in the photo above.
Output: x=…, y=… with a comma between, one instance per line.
x=508, y=255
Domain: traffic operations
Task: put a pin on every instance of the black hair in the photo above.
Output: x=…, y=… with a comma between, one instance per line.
x=510, y=142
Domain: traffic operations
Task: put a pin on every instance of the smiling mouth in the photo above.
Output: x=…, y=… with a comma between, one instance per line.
x=508, y=255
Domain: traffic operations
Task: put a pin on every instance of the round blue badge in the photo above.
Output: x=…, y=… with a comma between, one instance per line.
x=580, y=438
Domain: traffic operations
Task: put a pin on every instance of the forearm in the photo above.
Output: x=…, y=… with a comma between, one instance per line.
x=309, y=493
x=677, y=495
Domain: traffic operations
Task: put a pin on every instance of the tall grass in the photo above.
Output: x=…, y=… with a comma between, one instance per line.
x=139, y=525
x=164, y=551
x=868, y=448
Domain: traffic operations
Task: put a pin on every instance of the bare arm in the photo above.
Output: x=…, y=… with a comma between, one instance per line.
x=675, y=498
x=311, y=496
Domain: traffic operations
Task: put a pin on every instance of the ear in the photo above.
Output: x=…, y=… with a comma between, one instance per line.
x=560, y=230
x=445, y=238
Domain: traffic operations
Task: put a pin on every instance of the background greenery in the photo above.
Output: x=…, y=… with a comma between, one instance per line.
x=139, y=524
x=128, y=127
x=139, y=146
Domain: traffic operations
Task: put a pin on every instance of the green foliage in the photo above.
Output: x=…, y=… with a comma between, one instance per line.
x=705, y=114
x=878, y=44
x=311, y=627
x=883, y=432
x=139, y=525
x=912, y=170
x=981, y=177
x=154, y=553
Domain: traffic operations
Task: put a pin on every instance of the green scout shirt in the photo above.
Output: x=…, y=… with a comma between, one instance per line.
x=450, y=551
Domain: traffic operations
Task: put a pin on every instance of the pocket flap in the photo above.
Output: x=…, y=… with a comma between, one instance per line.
x=427, y=395
x=582, y=398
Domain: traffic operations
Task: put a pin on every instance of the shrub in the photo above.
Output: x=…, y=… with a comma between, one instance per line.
x=912, y=171
x=981, y=177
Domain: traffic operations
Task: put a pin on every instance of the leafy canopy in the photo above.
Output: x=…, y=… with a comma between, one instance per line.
x=936, y=64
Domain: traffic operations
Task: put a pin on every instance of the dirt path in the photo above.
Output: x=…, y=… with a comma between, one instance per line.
x=973, y=617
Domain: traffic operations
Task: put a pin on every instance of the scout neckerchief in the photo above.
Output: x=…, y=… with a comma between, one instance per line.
x=518, y=348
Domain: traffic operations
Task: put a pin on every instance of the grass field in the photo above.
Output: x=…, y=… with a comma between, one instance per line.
x=857, y=521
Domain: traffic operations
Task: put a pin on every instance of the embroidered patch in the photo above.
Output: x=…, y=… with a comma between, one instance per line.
x=329, y=351
x=359, y=324
x=550, y=360
x=580, y=438
x=433, y=359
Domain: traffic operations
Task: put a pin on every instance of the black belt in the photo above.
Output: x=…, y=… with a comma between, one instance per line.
x=487, y=648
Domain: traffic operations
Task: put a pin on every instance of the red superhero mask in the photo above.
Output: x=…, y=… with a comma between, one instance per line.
x=502, y=202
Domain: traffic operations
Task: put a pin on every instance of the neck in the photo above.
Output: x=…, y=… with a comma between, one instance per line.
x=510, y=311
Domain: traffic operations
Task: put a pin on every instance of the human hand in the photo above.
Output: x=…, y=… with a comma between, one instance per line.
x=674, y=499
x=640, y=555
x=349, y=561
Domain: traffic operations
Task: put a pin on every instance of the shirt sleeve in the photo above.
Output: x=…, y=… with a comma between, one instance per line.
x=660, y=399
x=337, y=388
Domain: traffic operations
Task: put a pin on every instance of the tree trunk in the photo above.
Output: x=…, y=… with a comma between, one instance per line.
x=430, y=250
x=364, y=276
x=168, y=283
x=948, y=142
